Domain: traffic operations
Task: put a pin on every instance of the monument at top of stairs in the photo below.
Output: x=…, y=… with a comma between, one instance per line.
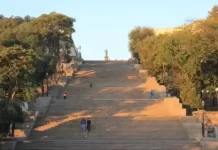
x=106, y=58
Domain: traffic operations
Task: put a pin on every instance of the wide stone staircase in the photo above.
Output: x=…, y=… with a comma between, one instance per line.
x=122, y=113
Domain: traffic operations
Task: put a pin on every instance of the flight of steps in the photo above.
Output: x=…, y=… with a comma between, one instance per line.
x=157, y=144
x=118, y=123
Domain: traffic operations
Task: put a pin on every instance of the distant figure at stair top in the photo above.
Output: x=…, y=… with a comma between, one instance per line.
x=90, y=85
x=152, y=94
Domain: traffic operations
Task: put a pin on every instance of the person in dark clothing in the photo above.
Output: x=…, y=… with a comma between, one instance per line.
x=11, y=129
x=89, y=125
x=90, y=85
x=65, y=95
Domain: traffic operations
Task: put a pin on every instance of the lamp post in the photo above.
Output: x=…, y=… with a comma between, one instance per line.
x=166, y=81
x=216, y=89
x=16, y=88
x=203, y=103
x=14, y=92
x=47, y=83
x=62, y=67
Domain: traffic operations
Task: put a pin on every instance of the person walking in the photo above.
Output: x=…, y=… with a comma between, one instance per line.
x=65, y=95
x=89, y=125
x=83, y=124
x=152, y=94
x=90, y=85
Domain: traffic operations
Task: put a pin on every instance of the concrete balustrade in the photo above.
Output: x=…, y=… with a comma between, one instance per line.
x=137, y=66
x=143, y=74
x=174, y=107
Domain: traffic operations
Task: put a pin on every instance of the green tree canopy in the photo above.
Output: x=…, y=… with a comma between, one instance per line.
x=29, y=48
x=189, y=55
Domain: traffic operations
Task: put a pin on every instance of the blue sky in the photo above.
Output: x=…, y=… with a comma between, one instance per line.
x=102, y=24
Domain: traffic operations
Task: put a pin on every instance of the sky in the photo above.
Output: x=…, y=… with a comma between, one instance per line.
x=105, y=24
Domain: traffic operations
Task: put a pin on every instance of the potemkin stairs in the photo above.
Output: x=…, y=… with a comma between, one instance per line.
x=122, y=113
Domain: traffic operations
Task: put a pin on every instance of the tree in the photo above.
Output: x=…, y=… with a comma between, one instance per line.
x=27, y=18
x=136, y=36
x=29, y=47
x=189, y=55
x=16, y=64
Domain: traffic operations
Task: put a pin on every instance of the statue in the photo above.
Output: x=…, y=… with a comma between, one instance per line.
x=106, y=53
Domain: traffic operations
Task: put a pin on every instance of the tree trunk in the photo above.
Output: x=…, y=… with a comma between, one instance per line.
x=163, y=76
x=42, y=89
x=12, y=96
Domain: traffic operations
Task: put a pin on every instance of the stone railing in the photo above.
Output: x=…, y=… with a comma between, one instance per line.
x=39, y=108
x=23, y=130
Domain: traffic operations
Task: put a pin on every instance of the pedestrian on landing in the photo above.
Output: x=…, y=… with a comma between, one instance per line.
x=65, y=95
x=83, y=124
x=89, y=124
x=90, y=85
x=152, y=94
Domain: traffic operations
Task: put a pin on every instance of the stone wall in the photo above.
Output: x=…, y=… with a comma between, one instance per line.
x=209, y=143
x=143, y=74
x=137, y=66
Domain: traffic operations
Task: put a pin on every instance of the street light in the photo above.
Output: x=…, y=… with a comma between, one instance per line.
x=216, y=89
x=16, y=88
x=166, y=79
x=203, y=103
x=47, y=83
x=62, y=67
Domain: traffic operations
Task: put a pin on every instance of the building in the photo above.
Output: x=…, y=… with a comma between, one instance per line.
x=194, y=27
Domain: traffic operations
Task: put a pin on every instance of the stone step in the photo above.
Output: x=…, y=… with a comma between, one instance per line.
x=111, y=131
x=110, y=119
x=107, y=144
x=123, y=124
x=75, y=135
x=189, y=119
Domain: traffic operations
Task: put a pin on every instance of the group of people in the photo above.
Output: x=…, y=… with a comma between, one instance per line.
x=86, y=124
